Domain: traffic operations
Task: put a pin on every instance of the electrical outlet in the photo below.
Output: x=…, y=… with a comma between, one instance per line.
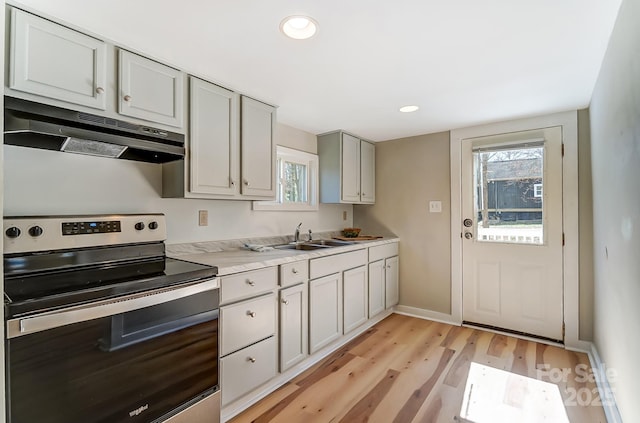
x=344, y=215
x=203, y=218
x=435, y=206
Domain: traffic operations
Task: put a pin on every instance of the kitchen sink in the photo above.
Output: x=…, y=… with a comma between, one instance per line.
x=313, y=245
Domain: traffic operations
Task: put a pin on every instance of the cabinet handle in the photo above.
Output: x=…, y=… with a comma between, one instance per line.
x=250, y=282
x=388, y=266
x=251, y=359
x=251, y=313
x=233, y=183
x=246, y=183
x=294, y=270
x=285, y=302
x=363, y=194
x=100, y=90
x=358, y=193
x=127, y=98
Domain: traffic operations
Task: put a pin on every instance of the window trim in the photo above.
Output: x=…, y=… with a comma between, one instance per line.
x=294, y=156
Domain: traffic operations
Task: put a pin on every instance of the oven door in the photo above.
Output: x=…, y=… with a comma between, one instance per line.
x=141, y=358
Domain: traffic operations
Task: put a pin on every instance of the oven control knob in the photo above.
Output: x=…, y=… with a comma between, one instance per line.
x=139, y=226
x=153, y=225
x=35, y=231
x=13, y=232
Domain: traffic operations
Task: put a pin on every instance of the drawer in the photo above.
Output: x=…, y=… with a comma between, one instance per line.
x=247, y=322
x=336, y=263
x=248, y=284
x=294, y=273
x=383, y=251
x=247, y=369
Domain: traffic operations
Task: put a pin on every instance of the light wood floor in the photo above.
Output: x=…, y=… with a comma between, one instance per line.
x=406, y=369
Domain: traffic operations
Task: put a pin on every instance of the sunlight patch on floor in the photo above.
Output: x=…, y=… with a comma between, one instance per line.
x=497, y=396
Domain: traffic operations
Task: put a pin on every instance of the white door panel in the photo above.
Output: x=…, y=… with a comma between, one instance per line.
x=512, y=241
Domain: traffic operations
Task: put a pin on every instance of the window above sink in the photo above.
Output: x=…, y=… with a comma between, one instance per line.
x=297, y=182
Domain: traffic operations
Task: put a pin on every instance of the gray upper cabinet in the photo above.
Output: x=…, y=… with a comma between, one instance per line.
x=347, y=169
x=257, y=148
x=213, y=139
x=367, y=172
x=149, y=90
x=54, y=61
x=231, y=148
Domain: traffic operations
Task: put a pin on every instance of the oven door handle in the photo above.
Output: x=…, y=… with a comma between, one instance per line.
x=111, y=307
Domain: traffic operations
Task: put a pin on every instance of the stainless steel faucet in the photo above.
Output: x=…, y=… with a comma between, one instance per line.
x=296, y=235
x=310, y=236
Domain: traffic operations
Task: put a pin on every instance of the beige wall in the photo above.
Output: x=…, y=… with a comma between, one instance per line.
x=585, y=217
x=410, y=172
x=615, y=148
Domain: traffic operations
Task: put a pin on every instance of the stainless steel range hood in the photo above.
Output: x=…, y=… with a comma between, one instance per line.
x=36, y=125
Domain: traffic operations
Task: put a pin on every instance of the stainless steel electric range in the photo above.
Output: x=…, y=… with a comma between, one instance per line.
x=102, y=327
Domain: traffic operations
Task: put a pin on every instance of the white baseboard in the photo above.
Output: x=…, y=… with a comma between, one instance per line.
x=604, y=389
x=427, y=314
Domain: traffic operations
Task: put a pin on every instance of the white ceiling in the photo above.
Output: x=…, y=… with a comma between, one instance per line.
x=464, y=62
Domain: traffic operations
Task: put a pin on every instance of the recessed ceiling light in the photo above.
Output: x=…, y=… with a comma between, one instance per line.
x=299, y=27
x=408, y=109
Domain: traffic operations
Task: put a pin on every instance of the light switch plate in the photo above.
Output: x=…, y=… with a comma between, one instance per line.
x=435, y=206
x=203, y=218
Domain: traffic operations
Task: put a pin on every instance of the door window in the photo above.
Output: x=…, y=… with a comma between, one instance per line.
x=508, y=194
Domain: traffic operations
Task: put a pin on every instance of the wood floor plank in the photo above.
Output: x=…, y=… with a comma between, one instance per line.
x=415, y=371
x=364, y=408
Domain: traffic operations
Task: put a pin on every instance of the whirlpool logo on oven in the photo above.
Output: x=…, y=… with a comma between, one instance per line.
x=138, y=410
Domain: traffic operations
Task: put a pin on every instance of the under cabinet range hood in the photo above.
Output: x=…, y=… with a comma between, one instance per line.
x=37, y=125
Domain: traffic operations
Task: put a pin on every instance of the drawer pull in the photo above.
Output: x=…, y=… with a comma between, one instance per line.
x=285, y=302
x=294, y=270
x=251, y=283
x=251, y=313
x=251, y=359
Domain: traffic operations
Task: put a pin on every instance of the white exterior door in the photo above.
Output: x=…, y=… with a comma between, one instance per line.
x=512, y=232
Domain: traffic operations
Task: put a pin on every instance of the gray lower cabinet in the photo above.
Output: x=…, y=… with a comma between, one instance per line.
x=377, y=294
x=248, y=332
x=247, y=369
x=57, y=62
x=325, y=311
x=391, y=281
x=355, y=289
x=293, y=325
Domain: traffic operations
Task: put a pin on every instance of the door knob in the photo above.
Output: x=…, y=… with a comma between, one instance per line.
x=468, y=235
x=467, y=223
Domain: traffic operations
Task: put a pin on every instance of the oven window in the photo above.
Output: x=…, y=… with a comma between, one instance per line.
x=133, y=367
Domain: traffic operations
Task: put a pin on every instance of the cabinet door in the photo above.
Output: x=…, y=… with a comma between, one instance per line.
x=213, y=139
x=257, y=148
x=391, y=281
x=56, y=62
x=150, y=90
x=355, y=307
x=245, y=370
x=293, y=325
x=350, y=168
x=246, y=322
x=376, y=287
x=325, y=311
x=367, y=172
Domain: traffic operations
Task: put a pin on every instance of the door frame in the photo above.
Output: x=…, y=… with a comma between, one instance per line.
x=571, y=299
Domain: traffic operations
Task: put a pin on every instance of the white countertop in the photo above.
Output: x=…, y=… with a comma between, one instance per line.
x=234, y=260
